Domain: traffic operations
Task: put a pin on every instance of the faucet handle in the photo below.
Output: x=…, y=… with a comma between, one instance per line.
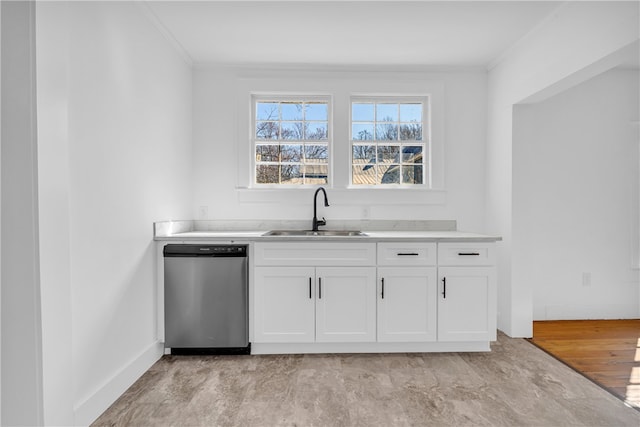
x=322, y=221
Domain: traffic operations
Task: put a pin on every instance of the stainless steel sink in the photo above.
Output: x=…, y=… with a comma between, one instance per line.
x=338, y=233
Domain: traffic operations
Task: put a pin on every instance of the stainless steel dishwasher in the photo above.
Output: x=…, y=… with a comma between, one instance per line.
x=206, y=299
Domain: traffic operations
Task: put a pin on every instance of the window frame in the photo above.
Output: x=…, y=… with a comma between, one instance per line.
x=283, y=97
x=425, y=142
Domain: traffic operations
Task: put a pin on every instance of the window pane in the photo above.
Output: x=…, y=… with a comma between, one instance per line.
x=291, y=110
x=267, y=111
x=267, y=153
x=316, y=130
x=388, y=154
x=362, y=112
x=412, y=174
x=390, y=174
x=290, y=174
x=387, y=132
x=315, y=174
x=267, y=130
x=267, y=174
x=410, y=112
x=411, y=131
x=291, y=153
x=316, y=111
x=363, y=175
x=387, y=112
x=412, y=154
x=364, y=154
x=291, y=130
x=315, y=153
x=362, y=131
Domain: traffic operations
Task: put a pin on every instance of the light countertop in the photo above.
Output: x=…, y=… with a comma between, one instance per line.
x=248, y=235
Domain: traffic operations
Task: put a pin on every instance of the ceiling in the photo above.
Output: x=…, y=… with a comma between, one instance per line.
x=390, y=33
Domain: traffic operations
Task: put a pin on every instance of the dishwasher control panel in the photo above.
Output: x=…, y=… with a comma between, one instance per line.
x=205, y=250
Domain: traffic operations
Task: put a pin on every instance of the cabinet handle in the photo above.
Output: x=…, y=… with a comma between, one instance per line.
x=468, y=254
x=407, y=254
x=383, y=288
x=444, y=287
x=319, y=287
x=310, y=288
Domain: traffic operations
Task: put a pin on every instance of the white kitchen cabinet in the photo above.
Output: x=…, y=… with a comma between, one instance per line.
x=305, y=293
x=323, y=297
x=407, y=304
x=284, y=304
x=466, y=253
x=407, y=253
x=345, y=254
x=307, y=304
x=466, y=304
x=467, y=291
x=346, y=304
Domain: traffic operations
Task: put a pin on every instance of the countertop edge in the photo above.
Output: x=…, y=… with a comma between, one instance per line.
x=226, y=237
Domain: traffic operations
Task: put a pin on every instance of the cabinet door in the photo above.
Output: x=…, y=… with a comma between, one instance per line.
x=407, y=302
x=284, y=304
x=346, y=304
x=466, y=304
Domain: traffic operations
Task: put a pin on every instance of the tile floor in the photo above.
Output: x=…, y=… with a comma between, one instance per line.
x=516, y=384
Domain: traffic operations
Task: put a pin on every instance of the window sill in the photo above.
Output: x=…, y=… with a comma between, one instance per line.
x=352, y=196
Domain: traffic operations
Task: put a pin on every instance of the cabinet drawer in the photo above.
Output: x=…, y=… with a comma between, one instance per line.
x=466, y=254
x=406, y=253
x=315, y=254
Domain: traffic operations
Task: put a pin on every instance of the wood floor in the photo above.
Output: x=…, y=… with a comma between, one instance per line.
x=605, y=351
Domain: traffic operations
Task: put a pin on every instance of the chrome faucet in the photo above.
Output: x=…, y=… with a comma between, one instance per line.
x=323, y=221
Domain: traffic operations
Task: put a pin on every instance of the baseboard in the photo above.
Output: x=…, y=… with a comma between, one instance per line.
x=92, y=407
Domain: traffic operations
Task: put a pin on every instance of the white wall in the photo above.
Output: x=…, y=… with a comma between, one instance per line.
x=115, y=143
x=0, y=216
x=21, y=328
x=575, y=186
x=580, y=40
x=222, y=147
x=53, y=180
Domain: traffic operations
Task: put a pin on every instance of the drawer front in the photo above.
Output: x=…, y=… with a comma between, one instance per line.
x=466, y=254
x=406, y=253
x=315, y=254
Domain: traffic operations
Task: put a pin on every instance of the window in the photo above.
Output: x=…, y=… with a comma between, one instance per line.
x=291, y=140
x=388, y=141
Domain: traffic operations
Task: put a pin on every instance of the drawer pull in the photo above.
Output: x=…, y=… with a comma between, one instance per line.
x=468, y=254
x=408, y=254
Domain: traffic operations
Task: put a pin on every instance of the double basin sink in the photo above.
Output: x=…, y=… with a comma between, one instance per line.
x=305, y=233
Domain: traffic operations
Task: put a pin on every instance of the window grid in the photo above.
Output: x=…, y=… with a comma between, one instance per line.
x=291, y=141
x=387, y=143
